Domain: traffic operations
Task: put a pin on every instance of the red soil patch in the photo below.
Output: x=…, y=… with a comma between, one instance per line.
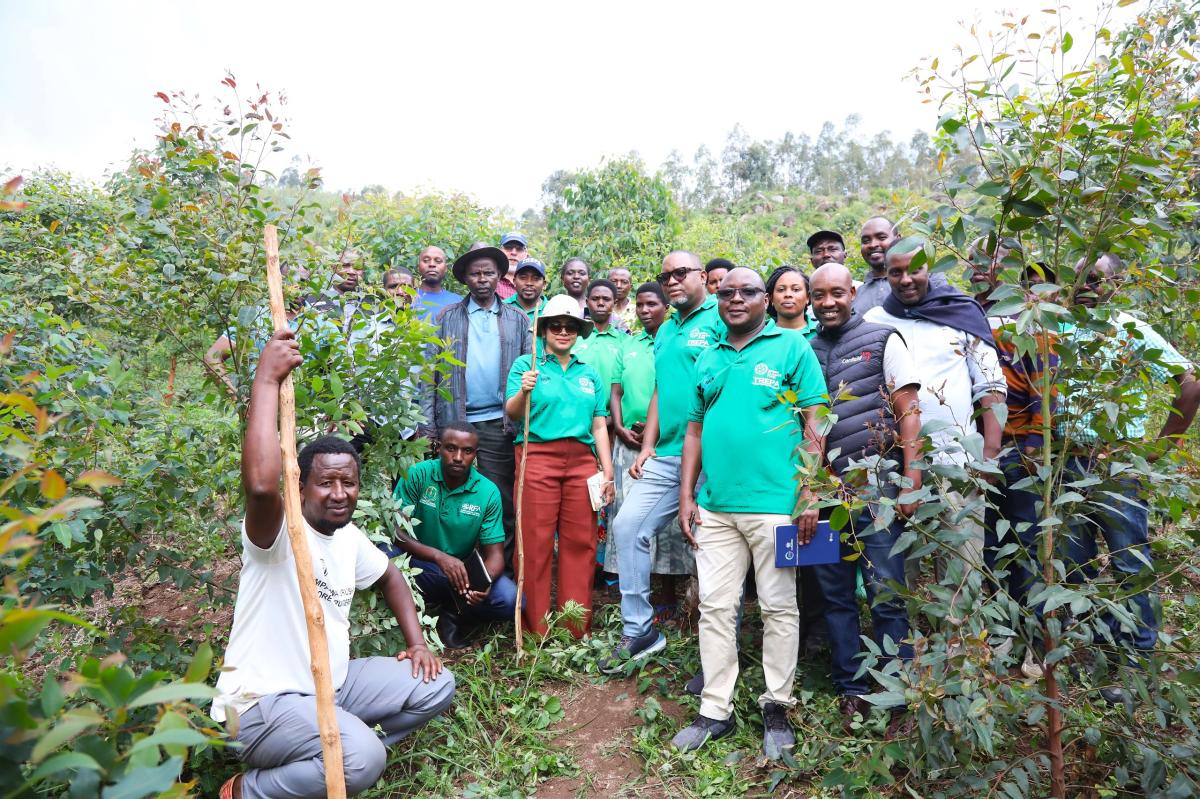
x=597, y=726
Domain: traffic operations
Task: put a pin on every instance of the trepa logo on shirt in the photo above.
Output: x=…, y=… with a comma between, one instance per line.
x=585, y=384
x=766, y=376
x=699, y=338
x=430, y=497
x=469, y=509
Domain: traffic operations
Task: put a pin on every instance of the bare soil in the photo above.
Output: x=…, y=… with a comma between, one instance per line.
x=597, y=727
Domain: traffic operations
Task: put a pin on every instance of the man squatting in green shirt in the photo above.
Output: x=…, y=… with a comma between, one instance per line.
x=457, y=511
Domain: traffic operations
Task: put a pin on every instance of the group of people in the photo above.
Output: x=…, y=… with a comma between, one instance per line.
x=692, y=419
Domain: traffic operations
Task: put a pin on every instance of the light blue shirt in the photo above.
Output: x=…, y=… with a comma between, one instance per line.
x=430, y=305
x=1128, y=351
x=485, y=392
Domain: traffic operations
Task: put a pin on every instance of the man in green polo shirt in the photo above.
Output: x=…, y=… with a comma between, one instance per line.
x=742, y=434
x=652, y=501
x=602, y=349
x=456, y=513
x=530, y=280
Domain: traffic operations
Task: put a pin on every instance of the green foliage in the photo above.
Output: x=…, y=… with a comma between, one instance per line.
x=113, y=294
x=1056, y=171
x=496, y=740
x=395, y=231
x=615, y=215
x=839, y=163
x=104, y=729
x=764, y=230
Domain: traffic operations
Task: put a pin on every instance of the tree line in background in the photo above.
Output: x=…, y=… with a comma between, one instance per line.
x=119, y=451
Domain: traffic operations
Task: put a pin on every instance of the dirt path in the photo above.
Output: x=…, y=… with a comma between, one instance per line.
x=598, y=729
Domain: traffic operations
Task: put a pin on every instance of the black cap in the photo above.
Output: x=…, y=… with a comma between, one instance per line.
x=822, y=235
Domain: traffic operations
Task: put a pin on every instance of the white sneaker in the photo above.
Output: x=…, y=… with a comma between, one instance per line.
x=1031, y=668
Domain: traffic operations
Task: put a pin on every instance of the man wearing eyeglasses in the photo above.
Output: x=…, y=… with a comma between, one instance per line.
x=826, y=246
x=652, y=501
x=515, y=247
x=750, y=490
x=486, y=335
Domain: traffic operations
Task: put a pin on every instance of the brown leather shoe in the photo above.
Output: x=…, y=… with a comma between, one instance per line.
x=848, y=706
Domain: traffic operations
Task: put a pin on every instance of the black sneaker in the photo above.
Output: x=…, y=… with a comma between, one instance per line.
x=1114, y=695
x=695, y=686
x=455, y=631
x=630, y=649
x=700, y=732
x=778, y=736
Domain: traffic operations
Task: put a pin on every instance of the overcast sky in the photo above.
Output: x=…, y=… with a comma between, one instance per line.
x=487, y=98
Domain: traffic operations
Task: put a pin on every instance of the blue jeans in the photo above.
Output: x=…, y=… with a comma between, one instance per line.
x=1126, y=528
x=434, y=585
x=889, y=616
x=1020, y=508
x=650, y=505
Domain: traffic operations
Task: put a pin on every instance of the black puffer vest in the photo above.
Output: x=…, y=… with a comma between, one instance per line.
x=852, y=359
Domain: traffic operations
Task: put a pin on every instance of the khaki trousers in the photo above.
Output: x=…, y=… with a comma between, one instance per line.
x=729, y=543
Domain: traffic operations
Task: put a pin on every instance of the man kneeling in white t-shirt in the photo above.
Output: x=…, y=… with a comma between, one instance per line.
x=267, y=692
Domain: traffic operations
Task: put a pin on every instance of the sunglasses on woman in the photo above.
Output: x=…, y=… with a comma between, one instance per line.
x=562, y=326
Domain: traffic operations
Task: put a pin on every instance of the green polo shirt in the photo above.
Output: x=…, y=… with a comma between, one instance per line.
x=635, y=373
x=513, y=300
x=453, y=520
x=564, y=401
x=601, y=351
x=748, y=447
x=676, y=347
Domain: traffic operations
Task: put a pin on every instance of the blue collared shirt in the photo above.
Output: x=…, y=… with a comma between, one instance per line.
x=429, y=306
x=485, y=391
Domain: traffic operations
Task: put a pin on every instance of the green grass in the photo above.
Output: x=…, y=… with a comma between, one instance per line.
x=499, y=740
x=503, y=735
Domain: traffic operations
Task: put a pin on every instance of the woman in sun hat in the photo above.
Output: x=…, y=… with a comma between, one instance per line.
x=567, y=444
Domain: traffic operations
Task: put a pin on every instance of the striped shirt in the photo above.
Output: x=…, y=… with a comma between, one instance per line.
x=1024, y=375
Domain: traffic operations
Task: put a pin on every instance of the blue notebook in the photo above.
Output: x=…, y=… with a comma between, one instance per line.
x=824, y=547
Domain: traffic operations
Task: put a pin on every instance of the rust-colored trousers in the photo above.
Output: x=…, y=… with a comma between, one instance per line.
x=556, y=499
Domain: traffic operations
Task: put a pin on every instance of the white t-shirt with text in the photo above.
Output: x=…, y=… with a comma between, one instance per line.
x=268, y=646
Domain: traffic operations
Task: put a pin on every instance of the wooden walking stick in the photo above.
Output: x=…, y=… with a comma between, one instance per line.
x=520, y=498
x=318, y=645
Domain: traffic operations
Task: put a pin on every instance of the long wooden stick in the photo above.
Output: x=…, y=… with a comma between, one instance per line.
x=318, y=645
x=520, y=499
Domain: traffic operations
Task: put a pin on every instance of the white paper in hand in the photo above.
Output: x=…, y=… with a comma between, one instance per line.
x=595, y=485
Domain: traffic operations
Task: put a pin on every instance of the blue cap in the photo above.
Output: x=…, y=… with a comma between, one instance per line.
x=511, y=237
x=532, y=263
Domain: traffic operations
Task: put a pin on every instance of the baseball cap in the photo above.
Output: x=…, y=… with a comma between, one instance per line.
x=511, y=237
x=532, y=263
x=821, y=235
